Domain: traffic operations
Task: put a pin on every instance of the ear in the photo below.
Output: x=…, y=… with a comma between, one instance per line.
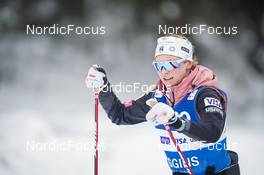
x=189, y=64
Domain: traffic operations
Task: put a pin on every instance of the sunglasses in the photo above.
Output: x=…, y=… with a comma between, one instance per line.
x=167, y=65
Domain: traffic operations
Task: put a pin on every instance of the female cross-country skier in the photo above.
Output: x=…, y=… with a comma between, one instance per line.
x=188, y=100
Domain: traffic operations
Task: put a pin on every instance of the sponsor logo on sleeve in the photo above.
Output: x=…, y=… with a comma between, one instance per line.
x=210, y=101
x=214, y=109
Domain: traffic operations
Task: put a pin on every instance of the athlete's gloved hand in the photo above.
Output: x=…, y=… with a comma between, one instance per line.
x=160, y=113
x=96, y=78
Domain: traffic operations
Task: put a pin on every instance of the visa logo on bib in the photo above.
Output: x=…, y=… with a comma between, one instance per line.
x=210, y=101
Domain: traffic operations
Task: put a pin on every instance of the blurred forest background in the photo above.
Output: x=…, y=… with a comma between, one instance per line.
x=43, y=97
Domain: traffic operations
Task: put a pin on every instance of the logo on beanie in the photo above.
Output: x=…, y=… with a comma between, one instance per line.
x=161, y=49
x=185, y=49
x=172, y=48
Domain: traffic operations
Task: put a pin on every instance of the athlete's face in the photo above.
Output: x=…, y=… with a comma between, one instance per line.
x=176, y=75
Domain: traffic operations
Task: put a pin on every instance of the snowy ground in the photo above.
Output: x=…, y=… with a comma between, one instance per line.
x=124, y=149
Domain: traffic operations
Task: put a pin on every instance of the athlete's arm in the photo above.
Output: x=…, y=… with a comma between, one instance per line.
x=132, y=112
x=212, y=118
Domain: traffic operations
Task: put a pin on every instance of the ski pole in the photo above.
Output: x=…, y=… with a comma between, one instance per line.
x=179, y=149
x=96, y=135
x=151, y=103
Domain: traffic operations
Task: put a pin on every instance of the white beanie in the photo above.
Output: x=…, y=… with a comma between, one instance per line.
x=176, y=46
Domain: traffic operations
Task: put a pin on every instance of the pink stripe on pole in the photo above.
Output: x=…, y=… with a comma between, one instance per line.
x=179, y=149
